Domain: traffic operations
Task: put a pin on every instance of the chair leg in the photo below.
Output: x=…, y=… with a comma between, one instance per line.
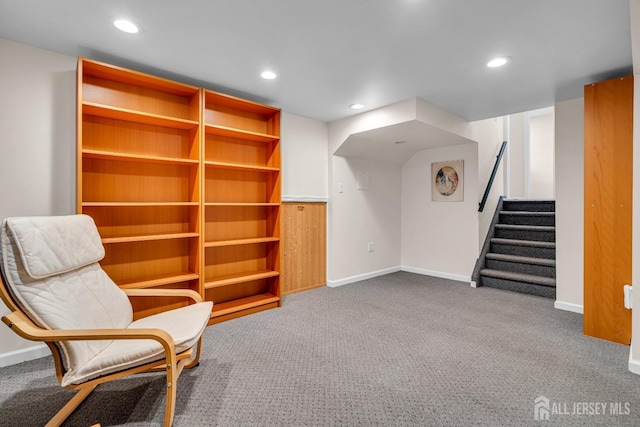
x=71, y=406
x=172, y=383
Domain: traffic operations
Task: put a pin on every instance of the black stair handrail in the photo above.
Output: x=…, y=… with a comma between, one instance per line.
x=493, y=176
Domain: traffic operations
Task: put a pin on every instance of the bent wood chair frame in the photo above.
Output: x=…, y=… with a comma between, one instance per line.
x=172, y=363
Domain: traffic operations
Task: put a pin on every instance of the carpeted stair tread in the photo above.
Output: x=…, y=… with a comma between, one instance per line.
x=525, y=227
x=519, y=287
x=515, y=242
x=527, y=218
x=522, y=259
x=545, y=233
x=529, y=205
x=527, y=213
x=519, y=277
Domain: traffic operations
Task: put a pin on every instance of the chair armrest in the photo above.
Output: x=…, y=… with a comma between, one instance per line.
x=24, y=327
x=150, y=292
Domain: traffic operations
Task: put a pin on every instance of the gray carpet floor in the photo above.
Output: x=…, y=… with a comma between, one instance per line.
x=397, y=350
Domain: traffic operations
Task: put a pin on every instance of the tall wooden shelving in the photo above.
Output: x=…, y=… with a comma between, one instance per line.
x=241, y=205
x=184, y=186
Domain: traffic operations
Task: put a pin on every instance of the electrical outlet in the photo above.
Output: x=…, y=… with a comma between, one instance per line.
x=370, y=247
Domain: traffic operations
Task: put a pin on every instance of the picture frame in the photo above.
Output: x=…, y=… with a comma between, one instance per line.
x=447, y=181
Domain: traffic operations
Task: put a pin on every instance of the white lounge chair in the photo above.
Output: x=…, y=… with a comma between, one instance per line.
x=58, y=293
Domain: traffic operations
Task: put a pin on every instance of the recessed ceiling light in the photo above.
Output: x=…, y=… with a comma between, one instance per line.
x=126, y=26
x=498, y=62
x=357, y=106
x=268, y=75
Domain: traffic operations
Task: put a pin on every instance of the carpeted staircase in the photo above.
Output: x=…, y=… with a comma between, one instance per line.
x=520, y=251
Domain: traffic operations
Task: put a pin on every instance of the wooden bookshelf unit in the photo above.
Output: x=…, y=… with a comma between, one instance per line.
x=184, y=186
x=241, y=205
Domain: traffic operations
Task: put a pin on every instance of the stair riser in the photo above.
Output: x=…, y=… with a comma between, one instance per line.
x=529, y=206
x=530, y=251
x=518, y=267
x=523, y=288
x=528, y=220
x=538, y=236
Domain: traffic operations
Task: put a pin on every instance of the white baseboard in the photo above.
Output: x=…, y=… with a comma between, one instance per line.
x=634, y=365
x=24, y=354
x=360, y=277
x=567, y=306
x=440, y=274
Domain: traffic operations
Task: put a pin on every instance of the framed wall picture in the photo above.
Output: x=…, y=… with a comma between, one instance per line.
x=447, y=181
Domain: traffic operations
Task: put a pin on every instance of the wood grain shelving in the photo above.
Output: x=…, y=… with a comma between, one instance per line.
x=253, y=301
x=242, y=205
x=225, y=165
x=184, y=186
x=232, y=279
x=145, y=238
x=111, y=155
x=241, y=242
x=139, y=204
x=124, y=114
x=155, y=281
x=139, y=176
x=239, y=134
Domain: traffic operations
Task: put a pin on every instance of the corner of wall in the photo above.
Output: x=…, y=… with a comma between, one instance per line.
x=439, y=274
x=569, y=153
x=568, y=306
x=431, y=230
x=634, y=365
x=24, y=354
x=361, y=277
x=42, y=154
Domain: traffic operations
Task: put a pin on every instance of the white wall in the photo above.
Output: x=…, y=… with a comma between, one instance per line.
x=37, y=144
x=541, y=155
x=569, y=155
x=489, y=136
x=360, y=217
x=488, y=133
x=516, y=155
x=305, y=158
x=440, y=238
x=357, y=217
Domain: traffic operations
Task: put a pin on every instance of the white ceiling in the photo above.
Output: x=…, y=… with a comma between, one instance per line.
x=332, y=53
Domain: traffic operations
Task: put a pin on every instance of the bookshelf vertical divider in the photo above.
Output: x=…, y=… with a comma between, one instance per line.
x=184, y=186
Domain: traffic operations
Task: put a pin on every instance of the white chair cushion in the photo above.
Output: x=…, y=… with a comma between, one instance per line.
x=185, y=325
x=81, y=299
x=73, y=294
x=55, y=245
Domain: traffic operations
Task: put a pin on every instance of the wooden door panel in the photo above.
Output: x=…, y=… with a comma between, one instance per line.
x=607, y=208
x=304, y=240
